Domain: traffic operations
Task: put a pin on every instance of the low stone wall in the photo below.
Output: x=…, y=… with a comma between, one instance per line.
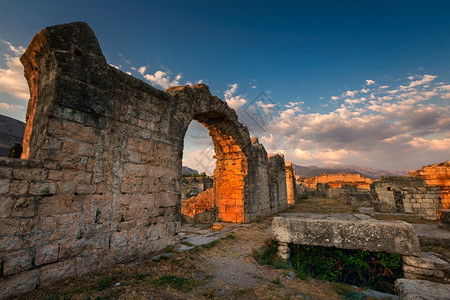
x=346, y=232
x=407, y=194
x=200, y=209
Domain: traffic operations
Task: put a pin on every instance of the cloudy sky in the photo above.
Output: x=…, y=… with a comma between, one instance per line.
x=325, y=82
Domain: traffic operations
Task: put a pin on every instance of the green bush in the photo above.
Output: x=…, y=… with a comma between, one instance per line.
x=376, y=270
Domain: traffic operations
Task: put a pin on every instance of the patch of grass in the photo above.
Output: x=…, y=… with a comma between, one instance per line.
x=276, y=281
x=230, y=236
x=170, y=248
x=211, y=244
x=179, y=283
x=267, y=255
x=376, y=270
x=104, y=282
x=315, y=205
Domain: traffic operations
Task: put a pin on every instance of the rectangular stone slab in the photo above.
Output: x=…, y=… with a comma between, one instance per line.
x=346, y=232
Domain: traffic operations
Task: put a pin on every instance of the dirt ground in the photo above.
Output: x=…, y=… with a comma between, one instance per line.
x=222, y=270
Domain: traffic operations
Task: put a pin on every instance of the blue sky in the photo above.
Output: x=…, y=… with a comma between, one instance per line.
x=331, y=82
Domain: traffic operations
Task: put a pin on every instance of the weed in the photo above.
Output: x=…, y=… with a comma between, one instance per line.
x=267, y=254
x=230, y=236
x=276, y=281
x=211, y=244
x=142, y=276
x=104, y=282
x=175, y=282
x=169, y=248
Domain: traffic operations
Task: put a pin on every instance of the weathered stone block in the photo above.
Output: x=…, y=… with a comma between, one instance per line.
x=346, y=232
x=426, y=260
x=52, y=273
x=425, y=272
x=421, y=289
x=18, y=284
x=46, y=254
x=16, y=262
x=24, y=207
x=10, y=243
x=4, y=185
x=18, y=187
x=8, y=227
x=42, y=188
x=6, y=205
x=56, y=205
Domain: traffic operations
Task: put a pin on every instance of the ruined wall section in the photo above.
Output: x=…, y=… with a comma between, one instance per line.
x=277, y=181
x=437, y=175
x=200, y=209
x=408, y=195
x=290, y=184
x=259, y=204
x=102, y=183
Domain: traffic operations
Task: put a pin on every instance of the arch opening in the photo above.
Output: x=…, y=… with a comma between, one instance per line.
x=222, y=188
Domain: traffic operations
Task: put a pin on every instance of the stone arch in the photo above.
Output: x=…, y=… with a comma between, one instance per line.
x=103, y=169
x=232, y=145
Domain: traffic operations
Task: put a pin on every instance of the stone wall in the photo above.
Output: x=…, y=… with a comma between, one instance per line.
x=338, y=180
x=277, y=179
x=192, y=186
x=406, y=194
x=99, y=179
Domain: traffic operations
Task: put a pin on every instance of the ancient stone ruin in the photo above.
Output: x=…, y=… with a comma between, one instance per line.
x=99, y=179
x=424, y=193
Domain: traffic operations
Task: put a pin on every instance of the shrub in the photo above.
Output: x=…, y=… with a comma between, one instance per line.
x=376, y=270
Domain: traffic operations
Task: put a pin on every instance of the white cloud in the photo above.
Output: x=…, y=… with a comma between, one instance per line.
x=395, y=129
x=349, y=94
x=334, y=98
x=370, y=82
x=10, y=107
x=163, y=80
x=425, y=79
x=233, y=101
x=141, y=70
x=12, y=80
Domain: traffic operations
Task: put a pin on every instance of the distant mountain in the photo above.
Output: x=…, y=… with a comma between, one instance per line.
x=311, y=171
x=188, y=171
x=11, y=132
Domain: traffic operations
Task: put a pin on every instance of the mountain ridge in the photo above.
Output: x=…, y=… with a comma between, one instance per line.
x=311, y=171
x=11, y=132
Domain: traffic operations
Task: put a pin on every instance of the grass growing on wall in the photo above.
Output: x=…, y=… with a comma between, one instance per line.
x=375, y=270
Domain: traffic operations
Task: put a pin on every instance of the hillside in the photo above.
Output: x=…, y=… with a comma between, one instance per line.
x=311, y=171
x=11, y=132
x=189, y=171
